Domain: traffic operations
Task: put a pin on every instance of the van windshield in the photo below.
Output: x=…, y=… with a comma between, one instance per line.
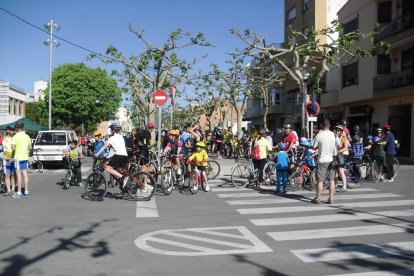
x=51, y=138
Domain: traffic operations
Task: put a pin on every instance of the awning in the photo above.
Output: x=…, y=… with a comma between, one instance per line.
x=28, y=125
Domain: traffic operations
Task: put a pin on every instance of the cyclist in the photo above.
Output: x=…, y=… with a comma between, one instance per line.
x=120, y=158
x=75, y=155
x=290, y=140
x=200, y=157
x=99, y=143
x=309, y=158
x=143, y=141
x=219, y=140
x=228, y=136
x=390, y=152
x=358, y=132
x=174, y=148
x=344, y=123
x=8, y=163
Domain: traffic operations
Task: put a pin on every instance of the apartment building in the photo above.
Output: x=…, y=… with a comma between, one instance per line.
x=12, y=102
x=379, y=90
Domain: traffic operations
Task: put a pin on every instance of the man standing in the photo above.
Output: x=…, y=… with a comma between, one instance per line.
x=21, y=144
x=390, y=152
x=325, y=143
x=8, y=163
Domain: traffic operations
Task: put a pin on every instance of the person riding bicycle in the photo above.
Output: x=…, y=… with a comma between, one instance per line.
x=174, y=148
x=200, y=157
x=120, y=158
x=143, y=142
x=309, y=158
x=74, y=154
x=99, y=143
x=228, y=137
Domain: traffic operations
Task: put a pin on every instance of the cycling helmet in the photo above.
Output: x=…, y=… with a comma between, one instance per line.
x=355, y=139
x=10, y=127
x=305, y=143
x=150, y=125
x=97, y=133
x=386, y=126
x=174, y=132
x=201, y=144
x=343, y=122
x=378, y=130
x=302, y=139
x=281, y=146
x=220, y=128
x=356, y=127
x=115, y=127
x=369, y=137
x=340, y=127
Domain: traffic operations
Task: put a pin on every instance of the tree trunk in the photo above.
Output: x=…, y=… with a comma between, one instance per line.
x=239, y=120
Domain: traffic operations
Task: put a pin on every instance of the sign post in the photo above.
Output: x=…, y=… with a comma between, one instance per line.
x=173, y=88
x=159, y=98
x=312, y=110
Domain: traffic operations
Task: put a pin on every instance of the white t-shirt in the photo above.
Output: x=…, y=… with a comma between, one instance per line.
x=325, y=141
x=118, y=144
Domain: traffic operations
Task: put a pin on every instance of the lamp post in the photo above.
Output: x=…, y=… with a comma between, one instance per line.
x=50, y=42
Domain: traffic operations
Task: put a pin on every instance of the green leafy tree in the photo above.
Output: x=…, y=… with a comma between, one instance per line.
x=35, y=112
x=317, y=49
x=82, y=95
x=157, y=68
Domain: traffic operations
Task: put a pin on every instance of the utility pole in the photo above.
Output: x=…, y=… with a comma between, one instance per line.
x=51, y=42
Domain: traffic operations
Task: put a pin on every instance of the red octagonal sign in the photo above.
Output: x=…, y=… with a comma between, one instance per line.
x=160, y=97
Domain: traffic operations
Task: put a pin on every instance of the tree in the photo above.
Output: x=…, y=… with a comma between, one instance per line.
x=35, y=112
x=318, y=49
x=157, y=68
x=82, y=95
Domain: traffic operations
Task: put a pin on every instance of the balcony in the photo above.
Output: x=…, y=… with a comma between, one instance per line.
x=389, y=84
x=395, y=27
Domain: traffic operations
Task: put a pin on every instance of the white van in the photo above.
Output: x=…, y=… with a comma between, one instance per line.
x=52, y=143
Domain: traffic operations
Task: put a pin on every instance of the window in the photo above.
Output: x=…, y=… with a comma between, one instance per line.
x=350, y=74
x=351, y=26
x=305, y=31
x=383, y=64
x=291, y=15
x=384, y=12
x=274, y=96
x=305, y=6
x=406, y=59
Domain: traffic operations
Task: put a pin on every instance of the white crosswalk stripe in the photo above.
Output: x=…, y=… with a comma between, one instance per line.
x=299, y=220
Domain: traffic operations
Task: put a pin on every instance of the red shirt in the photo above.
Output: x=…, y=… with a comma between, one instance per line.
x=289, y=139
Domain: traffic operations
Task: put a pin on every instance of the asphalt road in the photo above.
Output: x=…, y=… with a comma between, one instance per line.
x=226, y=231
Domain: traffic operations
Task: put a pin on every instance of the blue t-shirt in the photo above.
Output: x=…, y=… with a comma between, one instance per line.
x=310, y=162
x=390, y=146
x=98, y=145
x=282, y=161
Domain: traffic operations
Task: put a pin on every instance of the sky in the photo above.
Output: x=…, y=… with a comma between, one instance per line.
x=96, y=24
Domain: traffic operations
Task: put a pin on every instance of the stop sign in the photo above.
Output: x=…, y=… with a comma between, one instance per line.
x=160, y=97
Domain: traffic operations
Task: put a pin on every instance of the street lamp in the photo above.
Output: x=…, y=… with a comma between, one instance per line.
x=51, y=42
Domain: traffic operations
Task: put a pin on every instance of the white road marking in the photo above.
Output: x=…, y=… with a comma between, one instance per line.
x=248, y=242
x=341, y=232
x=362, y=251
x=147, y=209
x=255, y=194
x=290, y=200
x=331, y=218
x=308, y=208
x=397, y=272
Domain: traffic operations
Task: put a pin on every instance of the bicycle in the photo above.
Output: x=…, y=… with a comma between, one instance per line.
x=213, y=169
x=301, y=178
x=196, y=180
x=378, y=170
x=138, y=186
x=36, y=164
x=169, y=175
x=244, y=174
x=70, y=176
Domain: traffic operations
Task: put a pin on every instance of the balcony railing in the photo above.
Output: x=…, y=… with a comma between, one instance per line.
x=394, y=80
x=394, y=27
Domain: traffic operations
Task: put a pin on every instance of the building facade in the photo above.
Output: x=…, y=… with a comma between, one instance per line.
x=12, y=102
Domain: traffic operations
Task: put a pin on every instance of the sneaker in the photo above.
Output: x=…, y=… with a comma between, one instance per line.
x=341, y=190
x=316, y=200
x=277, y=192
x=17, y=195
x=8, y=193
x=26, y=194
x=390, y=180
x=330, y=201
x=207, y=188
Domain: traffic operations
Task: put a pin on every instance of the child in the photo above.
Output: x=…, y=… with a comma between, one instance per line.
x=75, y=155
x=308, y=157
x=200, y=157
x=282, y=164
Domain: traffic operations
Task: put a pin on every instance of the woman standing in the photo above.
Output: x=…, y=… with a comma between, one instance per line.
x=264, y=149
x=343, y=152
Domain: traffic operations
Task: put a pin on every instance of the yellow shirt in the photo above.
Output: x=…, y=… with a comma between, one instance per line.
x=200, y=157
x=265, y=147
x=7, y=148
x=22, y=142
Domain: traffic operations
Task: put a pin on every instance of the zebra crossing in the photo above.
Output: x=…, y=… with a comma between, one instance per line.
x=364, y=214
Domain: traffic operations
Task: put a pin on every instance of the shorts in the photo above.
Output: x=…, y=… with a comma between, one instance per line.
x=8, y=166
x=325, y=171
x=341, y=160
x=201, y=168
x=21, y=165
x=118, y=161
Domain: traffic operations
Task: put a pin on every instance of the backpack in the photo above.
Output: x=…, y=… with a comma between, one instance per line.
x=255, y=152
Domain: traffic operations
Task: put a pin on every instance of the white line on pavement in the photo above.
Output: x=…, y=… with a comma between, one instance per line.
x=147, y=209
x=397, y=272
x=332, y=218
x=341, y=232
x=362, y=251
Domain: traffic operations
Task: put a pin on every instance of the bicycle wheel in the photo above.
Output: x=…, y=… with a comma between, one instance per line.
x=353, y=177
x=213, y=169
x=296, y=181
x=153, y=171
x=167, y=183
x=203, y=183
x=141, y=186
x=96, y=186
x=376, y=172
x=38, y=165
x=193, y=183
x=241, y=175
x=396, y=165
x=270, y=173
x=68, y=180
